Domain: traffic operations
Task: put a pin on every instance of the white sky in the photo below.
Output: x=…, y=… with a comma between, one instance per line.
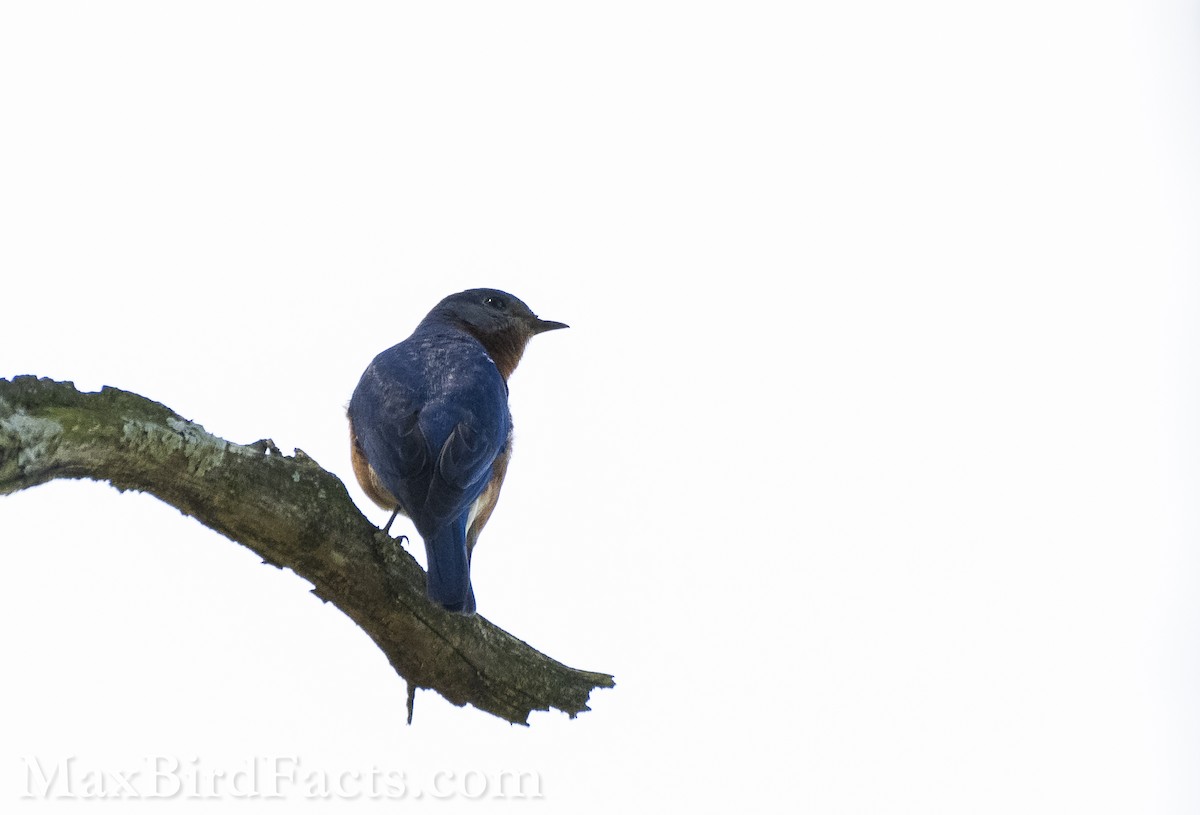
x=868, y=465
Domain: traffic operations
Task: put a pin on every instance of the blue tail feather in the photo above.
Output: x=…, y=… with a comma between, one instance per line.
x=449, y=579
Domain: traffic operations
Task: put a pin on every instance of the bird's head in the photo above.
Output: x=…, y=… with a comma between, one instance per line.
x=502, y=322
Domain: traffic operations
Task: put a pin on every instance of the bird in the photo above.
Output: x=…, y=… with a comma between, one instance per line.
x=431, y=430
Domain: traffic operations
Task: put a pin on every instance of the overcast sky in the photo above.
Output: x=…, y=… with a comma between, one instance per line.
x=868, y=465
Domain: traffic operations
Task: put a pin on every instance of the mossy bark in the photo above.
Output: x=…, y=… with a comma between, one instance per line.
x=294, y=514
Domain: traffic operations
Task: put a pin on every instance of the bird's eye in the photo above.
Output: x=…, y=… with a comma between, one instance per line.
x=495, y=302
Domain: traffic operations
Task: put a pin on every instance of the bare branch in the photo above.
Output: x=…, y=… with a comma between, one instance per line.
x=294, y=514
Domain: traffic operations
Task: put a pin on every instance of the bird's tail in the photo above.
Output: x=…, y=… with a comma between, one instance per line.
x=449, y=580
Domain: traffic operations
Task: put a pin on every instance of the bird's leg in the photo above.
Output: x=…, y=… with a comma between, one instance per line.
x=388, y=525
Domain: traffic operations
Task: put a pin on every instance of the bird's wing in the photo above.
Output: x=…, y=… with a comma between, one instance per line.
x=397, y=447
x=385, y=417
x=464, y=463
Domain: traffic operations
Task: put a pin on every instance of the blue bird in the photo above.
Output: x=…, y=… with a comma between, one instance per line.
x=431, y=432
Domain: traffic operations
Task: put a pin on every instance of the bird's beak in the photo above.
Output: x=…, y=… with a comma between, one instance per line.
x=540, y=325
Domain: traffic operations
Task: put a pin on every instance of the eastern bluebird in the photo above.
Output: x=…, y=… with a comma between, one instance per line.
x=431, y=432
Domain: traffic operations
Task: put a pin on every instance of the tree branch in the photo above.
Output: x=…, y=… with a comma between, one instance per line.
x=294, y=514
